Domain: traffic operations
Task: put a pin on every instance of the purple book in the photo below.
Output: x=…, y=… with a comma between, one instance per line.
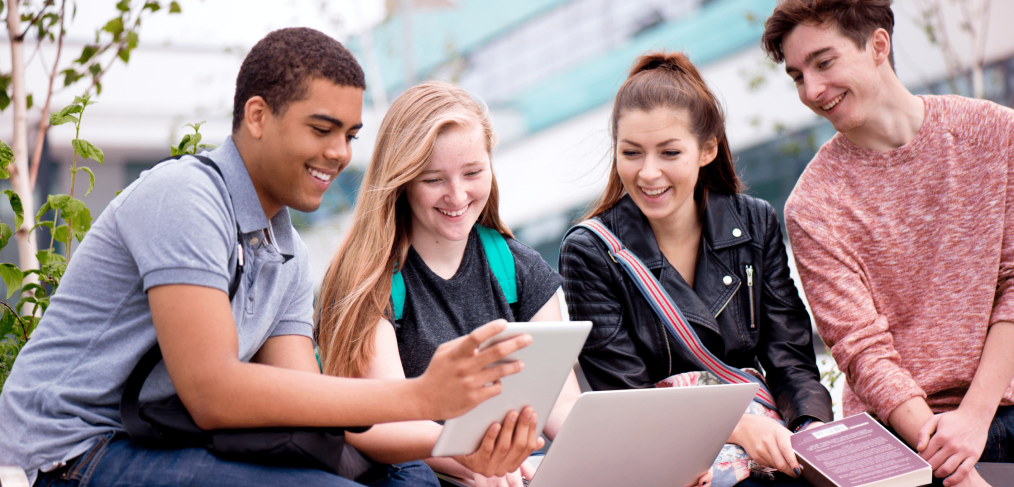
x=858, y=452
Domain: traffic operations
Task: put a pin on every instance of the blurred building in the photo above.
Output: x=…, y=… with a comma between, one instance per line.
x=549, y=69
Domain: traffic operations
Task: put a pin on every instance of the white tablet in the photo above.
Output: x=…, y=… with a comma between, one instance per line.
x=548, y=359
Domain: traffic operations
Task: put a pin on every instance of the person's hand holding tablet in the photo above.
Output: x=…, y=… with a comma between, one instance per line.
x=505, y=447
x=466, y=376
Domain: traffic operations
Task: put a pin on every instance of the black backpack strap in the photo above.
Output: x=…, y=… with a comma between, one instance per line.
x=138, y=429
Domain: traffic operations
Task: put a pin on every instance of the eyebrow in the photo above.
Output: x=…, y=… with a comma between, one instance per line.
x=660, y=144
x=335, y=121
x=809, y=58
x=467, y=164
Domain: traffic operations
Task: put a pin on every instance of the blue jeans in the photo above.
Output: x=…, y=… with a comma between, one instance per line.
x=116, y=461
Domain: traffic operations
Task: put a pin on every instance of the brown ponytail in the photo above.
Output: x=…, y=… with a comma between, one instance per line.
x=669, y=80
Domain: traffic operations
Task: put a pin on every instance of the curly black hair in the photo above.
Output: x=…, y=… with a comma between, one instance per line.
x=280, y=67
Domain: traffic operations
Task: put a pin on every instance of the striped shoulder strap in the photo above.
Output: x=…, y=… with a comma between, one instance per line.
x=498, y=257
x=671, y=315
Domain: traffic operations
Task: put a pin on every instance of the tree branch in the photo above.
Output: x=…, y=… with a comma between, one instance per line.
x=44, y=121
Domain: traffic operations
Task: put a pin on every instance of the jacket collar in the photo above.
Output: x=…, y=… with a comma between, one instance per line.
x=722, y=228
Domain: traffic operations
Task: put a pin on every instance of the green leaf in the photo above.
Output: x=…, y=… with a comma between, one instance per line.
x=32, y=321
x=61, y=233
x=114, y=27
x=73, y=211
x=5, y=234
x=153, y=6
x=38, y=289
x=124, y=55
x=36, y=302
x=46, y=257
x=174, y=7
x=48, y=224
x=86, y=53
x=84, y=100
x=85, y=149
x=29, y=101
x=54, y=269
x=70, y=76
x=95, y=69
x=91, y=179
x=12, y=277
x=65, y=115
x=19, y=209
x=182, y=149
x=7, y=323
x=6, y=155
x=132, y=39
x=123, y=6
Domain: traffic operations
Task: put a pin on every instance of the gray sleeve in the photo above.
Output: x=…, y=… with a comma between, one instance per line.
x=297, y=319
x=178, y=227
x=537, y=282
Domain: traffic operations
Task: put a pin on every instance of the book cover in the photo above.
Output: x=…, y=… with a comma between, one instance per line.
x=858, y=452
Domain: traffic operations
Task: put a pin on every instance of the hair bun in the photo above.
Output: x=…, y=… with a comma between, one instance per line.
x=669, y=61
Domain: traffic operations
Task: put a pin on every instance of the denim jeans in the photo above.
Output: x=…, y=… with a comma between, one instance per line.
x=116, y=461
x=1000, y=443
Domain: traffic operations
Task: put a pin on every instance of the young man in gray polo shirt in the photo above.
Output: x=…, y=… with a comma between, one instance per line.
x=164, y=253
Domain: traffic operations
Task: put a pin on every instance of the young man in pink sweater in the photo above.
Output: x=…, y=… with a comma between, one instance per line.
x=903, y=232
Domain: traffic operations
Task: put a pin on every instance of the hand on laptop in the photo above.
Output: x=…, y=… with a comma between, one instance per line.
x=459, y=376
x=767, y=442
x=505, y=446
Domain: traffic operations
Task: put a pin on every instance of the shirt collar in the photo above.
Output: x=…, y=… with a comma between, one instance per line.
x=247, y=206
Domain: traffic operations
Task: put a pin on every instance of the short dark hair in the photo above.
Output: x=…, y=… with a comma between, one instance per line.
x=280, y=67
x=855, y=19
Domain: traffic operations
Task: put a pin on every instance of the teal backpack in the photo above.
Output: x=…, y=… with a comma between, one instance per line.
x=499, y=258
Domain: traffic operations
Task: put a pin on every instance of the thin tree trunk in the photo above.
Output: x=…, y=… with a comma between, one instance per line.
x=19, y=170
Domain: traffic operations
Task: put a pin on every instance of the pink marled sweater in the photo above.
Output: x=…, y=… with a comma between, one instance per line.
x=907, y=256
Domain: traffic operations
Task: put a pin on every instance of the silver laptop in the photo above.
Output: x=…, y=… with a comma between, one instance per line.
x=643, y=437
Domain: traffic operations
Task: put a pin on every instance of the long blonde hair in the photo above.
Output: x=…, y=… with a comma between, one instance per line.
x=356, y=289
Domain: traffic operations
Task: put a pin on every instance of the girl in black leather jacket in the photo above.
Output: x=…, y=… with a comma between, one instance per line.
x=673, y=200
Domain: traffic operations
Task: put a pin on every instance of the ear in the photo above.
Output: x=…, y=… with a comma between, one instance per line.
x=255, y=112
x=880, y=45
x=709, y=151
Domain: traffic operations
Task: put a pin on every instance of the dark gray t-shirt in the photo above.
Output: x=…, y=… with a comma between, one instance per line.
x=438, y=309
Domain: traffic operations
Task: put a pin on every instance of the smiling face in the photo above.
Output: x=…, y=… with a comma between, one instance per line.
x=833, y=77
x=300, y=151
x=447, y=198
x=658, y=160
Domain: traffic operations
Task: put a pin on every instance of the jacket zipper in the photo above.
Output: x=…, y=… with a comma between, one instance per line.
x=749, y=289
x=727, y=301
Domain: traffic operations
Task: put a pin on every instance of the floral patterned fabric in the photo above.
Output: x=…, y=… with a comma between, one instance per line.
x=732, y=465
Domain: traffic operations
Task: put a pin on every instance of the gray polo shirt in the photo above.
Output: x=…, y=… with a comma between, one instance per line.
x=175, y=225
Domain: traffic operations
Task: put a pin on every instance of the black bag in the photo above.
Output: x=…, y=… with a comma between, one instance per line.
x=167, y=424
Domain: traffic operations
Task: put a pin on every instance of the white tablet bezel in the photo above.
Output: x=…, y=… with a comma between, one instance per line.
x=548, y=359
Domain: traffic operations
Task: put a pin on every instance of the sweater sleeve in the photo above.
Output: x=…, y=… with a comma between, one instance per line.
x=846, y=315
x=1003, y=305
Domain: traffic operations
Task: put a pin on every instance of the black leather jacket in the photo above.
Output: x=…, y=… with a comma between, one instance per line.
x=762, y=325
